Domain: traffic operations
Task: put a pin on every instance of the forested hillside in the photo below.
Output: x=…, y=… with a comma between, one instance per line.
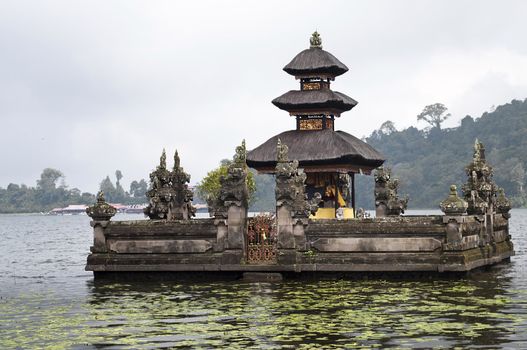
x=428, y=161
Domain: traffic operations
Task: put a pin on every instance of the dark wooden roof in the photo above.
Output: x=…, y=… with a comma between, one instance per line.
x=324, y=148
x=295, y=100
x=315, y=60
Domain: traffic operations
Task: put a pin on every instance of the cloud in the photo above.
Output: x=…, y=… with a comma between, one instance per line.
x=91, y=87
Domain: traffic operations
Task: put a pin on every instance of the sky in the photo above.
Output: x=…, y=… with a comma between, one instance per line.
x=88, y=87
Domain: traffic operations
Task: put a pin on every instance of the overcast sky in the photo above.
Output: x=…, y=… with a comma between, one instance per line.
x=88, y=87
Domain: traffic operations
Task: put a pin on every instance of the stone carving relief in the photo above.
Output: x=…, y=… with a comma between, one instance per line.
x=234, y=189
x=480, y=191
x=387, y=201
x=169, y=196
x=290, y=185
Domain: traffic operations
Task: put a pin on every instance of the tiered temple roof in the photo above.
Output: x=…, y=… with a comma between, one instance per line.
x=315, y=143
x=318, y=151
x=315, y=62
x=307, y=102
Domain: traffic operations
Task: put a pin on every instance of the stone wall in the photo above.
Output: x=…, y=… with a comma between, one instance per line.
x=413, y=243
x=172, y=242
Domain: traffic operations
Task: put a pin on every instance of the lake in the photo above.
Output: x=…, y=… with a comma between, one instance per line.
x=47, y=300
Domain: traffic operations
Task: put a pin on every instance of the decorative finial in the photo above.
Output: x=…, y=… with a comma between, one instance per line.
x=481, y=151
x=163, y=160
x=100, y=197
x=478, y=151
x=454, y=205
x=241, y=154
x=177, y=161
x=282, y=151
x=101, y=211
x=315, y=40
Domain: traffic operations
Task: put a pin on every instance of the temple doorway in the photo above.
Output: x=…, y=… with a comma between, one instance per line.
x=261, y=239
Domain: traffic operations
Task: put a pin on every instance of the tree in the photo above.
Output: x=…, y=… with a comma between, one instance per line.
x=428, y=163
x=47, y=191
x=434, y=115
x=387, y=127
x=48, y=179
x=119, y=194
x=138, y=189
x=45, y=196
x=264, y=196
x=517, y=175
x=209, y=187
x=108, y=189
x=118, y=175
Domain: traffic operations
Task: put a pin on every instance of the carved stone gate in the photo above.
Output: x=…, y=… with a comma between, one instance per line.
x=261, y=240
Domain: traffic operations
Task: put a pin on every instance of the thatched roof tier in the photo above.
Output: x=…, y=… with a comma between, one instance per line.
x=298, y=100
x=318, y=151
x=315, y=62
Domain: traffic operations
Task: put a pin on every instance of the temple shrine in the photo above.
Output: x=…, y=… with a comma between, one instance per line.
x=329, y=157
x=315, y=228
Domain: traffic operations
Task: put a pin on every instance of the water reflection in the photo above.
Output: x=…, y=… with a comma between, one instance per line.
x=47, y=301
x=478, y=310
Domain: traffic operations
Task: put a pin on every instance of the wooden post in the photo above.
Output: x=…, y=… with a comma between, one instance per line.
x=353, y=193
x=336, y=187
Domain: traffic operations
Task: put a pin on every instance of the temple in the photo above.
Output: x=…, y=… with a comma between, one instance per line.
x=329, y=157
x=315, y=227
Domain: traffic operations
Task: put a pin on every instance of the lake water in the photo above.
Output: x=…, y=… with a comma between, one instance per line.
x=47, y=300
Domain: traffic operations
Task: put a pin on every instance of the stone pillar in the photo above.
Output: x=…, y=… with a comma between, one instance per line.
x=234, y=235
x=480, y=190
x=290, y=229
x=455, y=209
x=485, y=199
x=221, y=235
x=284, y=227
x=230, y=209
x=101, y=213
x=99, y=239
x=292, y=207
x=236, y=227
x=299, y=232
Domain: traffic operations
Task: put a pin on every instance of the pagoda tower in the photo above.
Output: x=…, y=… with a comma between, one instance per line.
x=330, y=158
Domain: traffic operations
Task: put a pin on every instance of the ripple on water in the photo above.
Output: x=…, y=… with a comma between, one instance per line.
x=47, y=299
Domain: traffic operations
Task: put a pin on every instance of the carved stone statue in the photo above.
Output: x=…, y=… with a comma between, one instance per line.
x=169, y=196
x=387, y=201
x=240, y=157
x=503, y=205
x=234, y=189
x=315, y=40
x=479, y=191
x=282, y=152
x=290, y=185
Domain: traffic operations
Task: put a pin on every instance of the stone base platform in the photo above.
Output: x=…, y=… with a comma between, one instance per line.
x=216, y=248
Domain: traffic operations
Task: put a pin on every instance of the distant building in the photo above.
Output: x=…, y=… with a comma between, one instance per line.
x=72, y=209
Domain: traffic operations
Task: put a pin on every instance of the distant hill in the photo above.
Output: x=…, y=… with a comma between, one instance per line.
x=427, y=162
